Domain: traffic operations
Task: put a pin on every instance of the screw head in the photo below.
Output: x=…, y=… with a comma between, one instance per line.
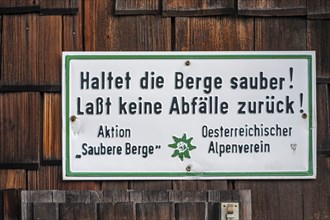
x=304, y=115
x=187, y=63
x=188, y=168
x=73, y=118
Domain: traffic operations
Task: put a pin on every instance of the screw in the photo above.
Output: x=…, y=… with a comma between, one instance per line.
x=187, y=63
x=304, y=115
x=188, y=168
x=73, y=118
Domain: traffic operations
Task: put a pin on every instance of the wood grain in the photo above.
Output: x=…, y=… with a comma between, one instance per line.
x=52, y=127
x=318, y=39
x=280, y=34
x=323, y=119
x=271, y=7
x=214, y=33
x=20, y=129
x=133, y=7
x=50, y=51
x=12, y=179
x=318, y=9
x=120, y=210
x=197, y=7
x=19, y=44
x=159, y=210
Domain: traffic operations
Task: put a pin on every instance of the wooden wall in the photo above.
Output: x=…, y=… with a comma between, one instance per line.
x=33, y=33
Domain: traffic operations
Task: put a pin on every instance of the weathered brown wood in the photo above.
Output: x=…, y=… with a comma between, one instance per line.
x=133, y=7
x=280, y=34
x=214, y=33
x=103, y=31
x=121, y=210
x=188, y=196
x=50, y=177
x=272, y=7
x=20, y=129
x=52, y=127
x=150, y=185
x=161, y=210
x=316, y=192
x=11, y=204
x=275, y=199
x=318, y=35
x=18, y=3
x=46, y=211
x=323, y=119
x=58, y=7
x=44, y=7
x=107, y=185
x=78, y=211
x=18, y=6
x=73, y=31
x=190, y=210
x=19, y=65
x=12, y=179
x=318, y=9
x=50, y=50
x=197, y=7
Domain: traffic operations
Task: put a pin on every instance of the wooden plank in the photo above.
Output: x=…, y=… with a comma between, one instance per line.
x=77, y=196
x=190, y=211
x=214, y=33
x=275, y=199
x=116, y=185
x=77, y=211
x=58, y=7
x=197, y=7
x=48, y=211
x=134, y=7
x=18, y=3
x=18, y=6
x=73, y=31
x=12, y=179
x=160, y=210
x=323, y=119
x=201, y=185
x=150, y=185
x=19, y=65
x=120, y=210
x=20, y=129
x=116, y=196
x=280, y=34
x=316, y=192
x=103, y=31
x=11, y=204
x=52, y=127
x=50, y=178
x=318, y=35
x=50, y=50
x=318, y=9
x=188, y=196
x=155, y=196
x=151, y=33
x=271, y=7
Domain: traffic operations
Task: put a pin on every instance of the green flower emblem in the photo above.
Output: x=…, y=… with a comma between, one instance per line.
x=182, y=147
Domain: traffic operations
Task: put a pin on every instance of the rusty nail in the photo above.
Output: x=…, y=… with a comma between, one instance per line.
x=187, y=63
x=304, y=115
x=73, y=118
x=188, y=168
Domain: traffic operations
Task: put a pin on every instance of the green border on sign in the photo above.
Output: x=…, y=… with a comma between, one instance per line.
x=69, y=173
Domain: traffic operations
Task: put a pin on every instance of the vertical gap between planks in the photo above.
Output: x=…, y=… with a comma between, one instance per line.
x=173, y=38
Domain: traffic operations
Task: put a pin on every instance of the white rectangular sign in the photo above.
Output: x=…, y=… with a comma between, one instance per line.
x=189, y=115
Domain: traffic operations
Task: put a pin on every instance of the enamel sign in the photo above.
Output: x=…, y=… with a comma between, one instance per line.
x=189, y=115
